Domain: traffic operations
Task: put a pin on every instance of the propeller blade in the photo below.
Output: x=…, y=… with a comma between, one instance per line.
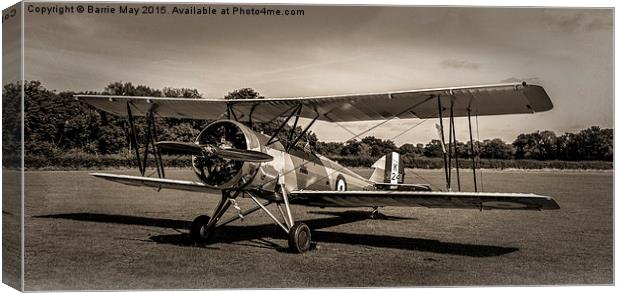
x=199, y=150
x=181, y=147
x=244, y=155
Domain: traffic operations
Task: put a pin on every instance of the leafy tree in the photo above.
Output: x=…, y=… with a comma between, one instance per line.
x=593, y=143
x=411, y=150
x=11, y=125
x=44, y=120
x=329, y=148
x=355, y=148
x=378, y=147
x=598, y=143
x=181, y=132
x=128, y=89
x=181, y=93
x=537, y=145
x=495, y=149
x=433, y=149
x=244, y=93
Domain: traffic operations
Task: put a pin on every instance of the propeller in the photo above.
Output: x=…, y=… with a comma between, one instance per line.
x=181, y=147
x=210, y=150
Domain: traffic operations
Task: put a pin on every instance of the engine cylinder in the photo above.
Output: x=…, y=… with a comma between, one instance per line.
x=223, y=173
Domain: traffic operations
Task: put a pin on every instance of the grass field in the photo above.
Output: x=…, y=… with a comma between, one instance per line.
x=84, y=233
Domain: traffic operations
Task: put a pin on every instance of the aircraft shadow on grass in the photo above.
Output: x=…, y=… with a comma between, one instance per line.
x=256, y=234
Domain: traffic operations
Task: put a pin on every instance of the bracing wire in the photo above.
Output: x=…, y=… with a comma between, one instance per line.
x=408, y=129
x=354, y=137
x=342, y=126
x=411, y=170
x=393, y=138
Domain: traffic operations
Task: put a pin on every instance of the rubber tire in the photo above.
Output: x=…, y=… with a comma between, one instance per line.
x=196, y=229
x=299, y=238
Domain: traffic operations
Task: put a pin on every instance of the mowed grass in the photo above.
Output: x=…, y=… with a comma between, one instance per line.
x=86, y=233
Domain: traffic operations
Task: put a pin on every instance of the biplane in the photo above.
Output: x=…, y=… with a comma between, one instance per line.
x=231, y=158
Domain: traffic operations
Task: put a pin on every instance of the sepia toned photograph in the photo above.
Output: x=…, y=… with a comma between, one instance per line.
x=150, y=146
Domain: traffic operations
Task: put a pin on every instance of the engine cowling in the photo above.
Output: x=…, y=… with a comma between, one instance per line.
x=223, y=173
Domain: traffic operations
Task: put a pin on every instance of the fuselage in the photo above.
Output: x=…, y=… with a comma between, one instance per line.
x=303, y=170
x=294, y=169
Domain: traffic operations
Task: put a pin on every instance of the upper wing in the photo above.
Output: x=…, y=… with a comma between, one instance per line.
x=155, y=182
x=478, y=100
x=429, y=199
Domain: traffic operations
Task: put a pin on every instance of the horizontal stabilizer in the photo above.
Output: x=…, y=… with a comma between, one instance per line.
x=429, y=199
x=155, y=182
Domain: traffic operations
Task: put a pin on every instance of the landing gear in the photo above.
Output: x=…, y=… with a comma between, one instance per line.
x=203, y=227
x=198, y=230
x=298, y=233
x=299, y=238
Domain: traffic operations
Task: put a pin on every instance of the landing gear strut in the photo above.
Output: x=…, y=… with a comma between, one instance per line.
x=298, y=233
x=203, y=227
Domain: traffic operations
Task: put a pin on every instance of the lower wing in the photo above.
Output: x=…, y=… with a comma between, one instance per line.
x=429, y=199
x=155, y=182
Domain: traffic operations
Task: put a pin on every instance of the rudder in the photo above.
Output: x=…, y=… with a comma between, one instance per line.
x=389, y=169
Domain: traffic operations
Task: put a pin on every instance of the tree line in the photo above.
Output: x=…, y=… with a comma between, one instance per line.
x=58, y=125
x=591, y=144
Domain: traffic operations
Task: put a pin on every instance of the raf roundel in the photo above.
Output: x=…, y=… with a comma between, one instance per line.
x=341, y=184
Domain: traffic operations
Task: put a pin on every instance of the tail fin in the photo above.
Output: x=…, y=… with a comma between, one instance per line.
x=389, y=169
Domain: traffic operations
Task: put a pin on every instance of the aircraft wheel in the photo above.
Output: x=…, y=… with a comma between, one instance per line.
x=198, y=229
x=299, y=238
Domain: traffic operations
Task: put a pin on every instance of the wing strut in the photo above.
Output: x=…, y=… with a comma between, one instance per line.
x=133, y=138
x=445, y=158
x=292, y=144
x=292, y=140
x=455, y=144
x=294, y=110
x=152, y=133
x=150, y=139
x=471, y=146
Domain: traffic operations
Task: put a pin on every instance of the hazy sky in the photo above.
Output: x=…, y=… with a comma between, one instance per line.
x=338, y=50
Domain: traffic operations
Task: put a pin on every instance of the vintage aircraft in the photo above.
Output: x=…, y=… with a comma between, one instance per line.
x=231, y=158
